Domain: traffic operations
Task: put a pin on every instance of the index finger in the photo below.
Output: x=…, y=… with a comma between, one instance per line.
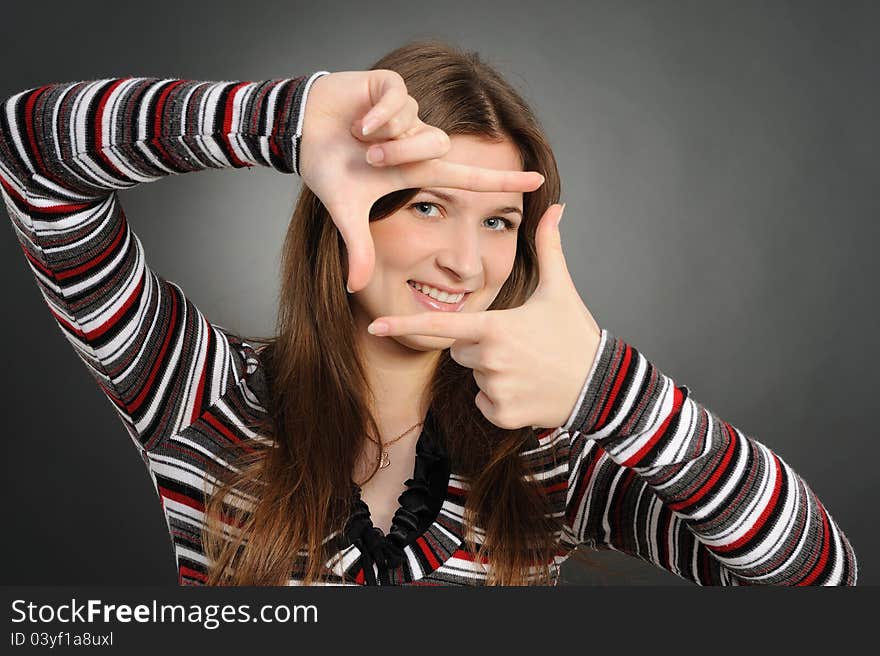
x=390, y=89
x=439, y=173
x=455, y=325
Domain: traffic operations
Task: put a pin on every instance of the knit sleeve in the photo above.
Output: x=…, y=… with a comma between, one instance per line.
x=65, y=151
x=654, y=474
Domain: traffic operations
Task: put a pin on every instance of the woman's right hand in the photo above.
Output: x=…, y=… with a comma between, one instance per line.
x=333, y=160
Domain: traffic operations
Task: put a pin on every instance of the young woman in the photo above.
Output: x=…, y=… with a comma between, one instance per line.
x=489, y=431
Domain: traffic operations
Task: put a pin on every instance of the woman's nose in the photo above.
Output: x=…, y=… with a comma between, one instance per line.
x=462, y=253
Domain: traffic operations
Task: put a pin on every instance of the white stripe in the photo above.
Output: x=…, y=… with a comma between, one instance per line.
x=837, y=572
x=654, y=528
x=269, y=108
x=109, y=137
x=660, y=411
x=236, y=135
x=796, y=497
x=180, y=550
x=15, y=132
x=180, y=438
x=80, y=125
x=603, y=339
x=549, y=473
x=195, y=367
x=300, y=119
x=209, y=104
x=606, y=524
x=72, y=222
x=162, y=385
x=629, y=400
x=749, y=515
x=143, y=120
x=734, y=484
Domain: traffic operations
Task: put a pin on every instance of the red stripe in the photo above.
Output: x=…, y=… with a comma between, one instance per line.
x=213, y=421
x=98, y=131
x=76, y=330
x=621, y=374
x=113, y=320
x=763, y=517
x=713, y=479
x=104, y=327
x=428, y=553
x=159, y=361
x=677, y=400
x=61, y=275
x=273, y=140
x=111, y=393
x=227, y=123
x=258, y=102
x=165, y=493
x=51, y=209
x=157, y=121
x=200, y=388
x=29, y=128
x=562, y=485
x=826, y=545
x=181, y=498
x=105, y=254
x=191, y=573
x=69, y=327
x=47, y=271
x=467, y=555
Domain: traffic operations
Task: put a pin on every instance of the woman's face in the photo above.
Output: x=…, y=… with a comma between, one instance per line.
x=464, y=242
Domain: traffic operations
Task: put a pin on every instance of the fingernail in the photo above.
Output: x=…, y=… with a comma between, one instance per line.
x=561, y=212
x=377, y=328
x=366, y=126
x=348, y=289
x=375, y=155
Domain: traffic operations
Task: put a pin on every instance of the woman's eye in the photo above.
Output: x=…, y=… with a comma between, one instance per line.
x=506, y=224
x=423, y=205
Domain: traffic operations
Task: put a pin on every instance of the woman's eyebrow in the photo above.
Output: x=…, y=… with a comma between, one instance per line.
x=454, y=201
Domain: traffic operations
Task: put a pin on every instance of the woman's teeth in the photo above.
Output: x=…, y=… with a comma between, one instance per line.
x=443, y=297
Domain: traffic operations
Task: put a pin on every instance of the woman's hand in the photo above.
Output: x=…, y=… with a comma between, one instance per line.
x=531, y=361
x=334, y=166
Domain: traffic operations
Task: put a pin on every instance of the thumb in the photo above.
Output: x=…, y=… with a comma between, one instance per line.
x=552, y=268
x=355, y=231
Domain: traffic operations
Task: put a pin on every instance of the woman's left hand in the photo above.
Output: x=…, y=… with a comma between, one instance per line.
x=530, y=362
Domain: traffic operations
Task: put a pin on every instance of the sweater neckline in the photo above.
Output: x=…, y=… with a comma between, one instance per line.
x=426, y=529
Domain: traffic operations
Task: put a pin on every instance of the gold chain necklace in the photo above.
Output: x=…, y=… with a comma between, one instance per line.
x=383, y=459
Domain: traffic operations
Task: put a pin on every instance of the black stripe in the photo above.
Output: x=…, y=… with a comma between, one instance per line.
x=219, y=112
x=180, y=488
x=152, y=135
x=625, y=387
x=769, y=524
x=7, y=146
x=723, y=503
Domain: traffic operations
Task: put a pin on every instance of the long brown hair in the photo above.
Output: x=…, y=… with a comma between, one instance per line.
x=299, y=480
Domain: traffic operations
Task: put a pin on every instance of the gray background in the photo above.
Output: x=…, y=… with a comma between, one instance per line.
x=719, y=165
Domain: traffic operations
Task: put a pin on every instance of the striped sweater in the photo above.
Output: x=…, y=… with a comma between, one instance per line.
x=645, y=469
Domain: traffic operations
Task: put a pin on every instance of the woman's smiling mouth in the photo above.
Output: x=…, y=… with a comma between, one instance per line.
x=436, y=303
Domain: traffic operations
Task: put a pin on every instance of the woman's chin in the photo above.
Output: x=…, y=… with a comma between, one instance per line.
x=425, y=343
